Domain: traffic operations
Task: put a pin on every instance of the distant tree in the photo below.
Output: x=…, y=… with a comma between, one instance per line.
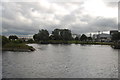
x=30, y=41
x=56, y=34
x=19, y=41
x=13, y=37
x=35, y=37
x=61, y=34
x=42, y=35
x=89, y=38
x=51, y=37
x=83, y=37
x=0, y=40
x=5, y=40
x=66, y=34
x=77, y=38
x=116, y=36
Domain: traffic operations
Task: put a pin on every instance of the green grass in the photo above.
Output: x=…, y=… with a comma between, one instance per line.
x=17, y=47
x=76, y=42
x=14, y=45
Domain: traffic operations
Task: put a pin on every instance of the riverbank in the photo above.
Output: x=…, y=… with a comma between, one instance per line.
x=21, y=47
x=75, y=42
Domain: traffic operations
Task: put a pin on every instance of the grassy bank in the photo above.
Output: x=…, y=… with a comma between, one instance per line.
x=17, y=47
x=91, y=43
x=75, y=42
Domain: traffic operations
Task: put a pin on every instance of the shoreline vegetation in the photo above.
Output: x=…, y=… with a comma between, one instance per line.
x=64, y=36
x=75, y=42
x=21, y=47
x=14, y=44
x=58, y=36
x=112, y=44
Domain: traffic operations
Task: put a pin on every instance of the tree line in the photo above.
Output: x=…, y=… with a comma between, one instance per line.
x=13, y=39
x=58, y=34
x=66, y=35
x=116, y=37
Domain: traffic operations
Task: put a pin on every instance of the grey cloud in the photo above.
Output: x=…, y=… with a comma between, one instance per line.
x=112, y=4
x=97, y=24
x=105, y=23
x=68, y=19
x=27, y=18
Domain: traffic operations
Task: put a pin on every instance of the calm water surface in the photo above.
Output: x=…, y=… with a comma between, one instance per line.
x=62, y=61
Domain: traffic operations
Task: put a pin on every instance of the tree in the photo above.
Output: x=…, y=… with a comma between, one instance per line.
x=61, y=34
x=5, y=40
x=66, y=34
x=13, y=37
x=30, y=41
x=51, y=37
x=83, y=37
x=76, y=38
x=0, y=40
x=56, y=34
x=116, y=36
x=89, y=38
x=35, y=37
x=42, y=35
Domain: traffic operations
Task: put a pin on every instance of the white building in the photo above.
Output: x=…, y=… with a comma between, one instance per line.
x=102, y=37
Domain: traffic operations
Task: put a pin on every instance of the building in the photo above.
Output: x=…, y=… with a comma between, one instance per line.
x=102, y=37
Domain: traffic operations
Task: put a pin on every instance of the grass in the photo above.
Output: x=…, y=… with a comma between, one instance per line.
x=17, y=47
x=75, y=42
x=92, y=43
x=23, y=47
x=14, y=45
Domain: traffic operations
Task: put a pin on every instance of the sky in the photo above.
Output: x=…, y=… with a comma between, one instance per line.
x=80, y=16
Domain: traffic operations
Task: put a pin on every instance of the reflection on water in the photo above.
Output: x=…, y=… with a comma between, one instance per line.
x=62, y=61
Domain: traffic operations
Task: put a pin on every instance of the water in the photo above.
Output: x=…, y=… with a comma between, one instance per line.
x=62, y=61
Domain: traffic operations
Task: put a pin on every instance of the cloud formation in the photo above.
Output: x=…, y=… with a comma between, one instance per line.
x=26, y=18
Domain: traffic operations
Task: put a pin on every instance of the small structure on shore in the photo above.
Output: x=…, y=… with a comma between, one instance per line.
x=102, y=37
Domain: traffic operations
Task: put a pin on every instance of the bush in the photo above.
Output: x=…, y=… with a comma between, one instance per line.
x=5, y=40
x=30, y=41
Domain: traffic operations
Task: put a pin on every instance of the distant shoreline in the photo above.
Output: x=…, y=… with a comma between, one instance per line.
x=75, y=42
x=23, y=47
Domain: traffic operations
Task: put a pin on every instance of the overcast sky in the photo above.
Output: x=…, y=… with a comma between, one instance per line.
x=26, y=18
